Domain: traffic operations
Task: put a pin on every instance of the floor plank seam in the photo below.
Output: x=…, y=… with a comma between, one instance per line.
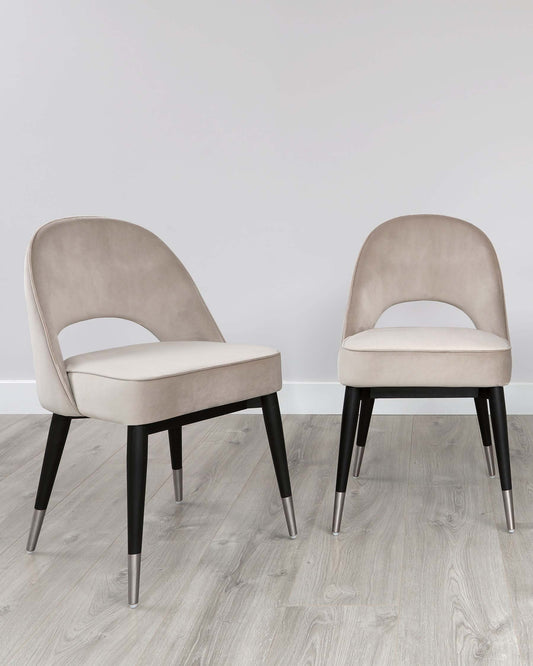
x=95, y=562
x=27, y=460
x=207, y=544
x=265, y=455
x=514, y=610
x=51, y=510
x=405, y=535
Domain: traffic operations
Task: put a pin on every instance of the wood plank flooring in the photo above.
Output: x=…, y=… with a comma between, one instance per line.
x=423, y=572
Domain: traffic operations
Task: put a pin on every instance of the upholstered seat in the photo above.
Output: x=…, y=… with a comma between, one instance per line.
x=159, y=380
x=420, y=356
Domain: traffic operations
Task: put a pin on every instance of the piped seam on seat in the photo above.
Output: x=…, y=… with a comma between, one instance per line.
x=430, y=351
x=175, y=374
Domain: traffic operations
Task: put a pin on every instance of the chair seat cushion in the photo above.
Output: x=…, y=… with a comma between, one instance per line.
x=150, y=382
x=425, y=357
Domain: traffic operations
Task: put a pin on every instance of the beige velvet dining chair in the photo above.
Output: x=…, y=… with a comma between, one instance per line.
x=425, y=258
x=87, y=267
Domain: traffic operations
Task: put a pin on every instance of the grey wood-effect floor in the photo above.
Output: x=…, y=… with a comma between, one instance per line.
x=423, y=572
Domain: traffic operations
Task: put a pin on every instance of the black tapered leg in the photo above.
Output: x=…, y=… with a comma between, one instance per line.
x=137, y=460
x=276, y=440
x=176, y=459
x=365, y=414
x=484, y=428
x=57, y=436
x=350, y=412
x=501, y=441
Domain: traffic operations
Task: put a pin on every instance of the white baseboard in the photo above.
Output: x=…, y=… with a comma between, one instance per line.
x=20, y=397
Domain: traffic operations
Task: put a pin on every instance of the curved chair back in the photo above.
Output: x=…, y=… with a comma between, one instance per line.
x=87, y=267
x=427, y=258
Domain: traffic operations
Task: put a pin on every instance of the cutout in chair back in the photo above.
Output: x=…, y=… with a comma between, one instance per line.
x=427, y=258
x=102, y=333
x=424, y=313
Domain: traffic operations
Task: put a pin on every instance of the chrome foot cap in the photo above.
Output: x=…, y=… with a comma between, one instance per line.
x=35, y=529
x=134, y=577
x=177, y=477
x=359, y=453
x=337, y=513
x=288, y=509
x=509, y=510
x=489, y=457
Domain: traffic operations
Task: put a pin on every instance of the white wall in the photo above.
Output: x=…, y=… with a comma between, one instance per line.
x=263, y=141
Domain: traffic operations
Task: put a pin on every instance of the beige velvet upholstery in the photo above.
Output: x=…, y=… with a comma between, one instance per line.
x=434, y=258
x=150, y=382
x=83, y=268
x=424, y=357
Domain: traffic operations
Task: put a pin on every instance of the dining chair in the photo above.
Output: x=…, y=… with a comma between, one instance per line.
x=87, y=267
x=425, y=258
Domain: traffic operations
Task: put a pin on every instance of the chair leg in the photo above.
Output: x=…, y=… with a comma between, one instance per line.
x=137, y=460
x=174, y=440
x=276, y=440
x=365, y=414
x=57, y=436
x=348, y=427
x=484, y=428
x=501, y=440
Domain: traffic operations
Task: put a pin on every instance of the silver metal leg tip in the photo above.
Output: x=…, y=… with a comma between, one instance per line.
x=288, y=510
x=177, y=478
x=335, y=533
x=359, y=453
x=509, y=510
x=489, y=457
x=134, y=577
x=35, y=529
x=492, y=476
x=337, y=512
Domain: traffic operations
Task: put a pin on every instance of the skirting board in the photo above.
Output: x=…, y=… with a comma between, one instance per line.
x=20, y=397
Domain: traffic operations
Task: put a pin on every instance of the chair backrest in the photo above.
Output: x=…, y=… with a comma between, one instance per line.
x=87, y=267
x=427, y=258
